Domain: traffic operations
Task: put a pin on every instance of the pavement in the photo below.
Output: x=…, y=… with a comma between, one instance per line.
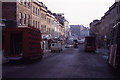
x=71, y=63
x=2, y=58
x=102, y=51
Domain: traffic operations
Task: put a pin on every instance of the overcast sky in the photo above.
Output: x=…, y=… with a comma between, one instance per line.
x=80, y=12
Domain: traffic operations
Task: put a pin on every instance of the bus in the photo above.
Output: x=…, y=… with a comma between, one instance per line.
x=114, y=55
x=90, y=43
x=22, y=43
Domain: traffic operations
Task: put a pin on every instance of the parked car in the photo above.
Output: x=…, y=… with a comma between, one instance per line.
x=56, y=46
x=81, y=41
x=75, y=45
x=68, y=45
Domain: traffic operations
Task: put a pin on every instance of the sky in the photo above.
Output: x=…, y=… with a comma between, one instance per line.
x=79, y=12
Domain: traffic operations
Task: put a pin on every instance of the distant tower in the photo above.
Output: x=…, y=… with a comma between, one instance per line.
x=117, y=0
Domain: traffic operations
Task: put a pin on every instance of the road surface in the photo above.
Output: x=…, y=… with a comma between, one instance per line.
x=71, y=63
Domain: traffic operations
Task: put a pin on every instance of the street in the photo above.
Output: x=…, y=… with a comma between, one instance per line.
x=70, y=63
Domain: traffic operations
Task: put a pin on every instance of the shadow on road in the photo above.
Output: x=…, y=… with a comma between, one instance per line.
x=22, y=62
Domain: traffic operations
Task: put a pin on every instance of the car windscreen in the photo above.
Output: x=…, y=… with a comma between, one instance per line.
x=53, y=44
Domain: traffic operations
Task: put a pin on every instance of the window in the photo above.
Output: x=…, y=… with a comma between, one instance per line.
x=52, y=22
x=45, y=16
x=25, y=2
x=49, y=21
x=21, y=1
x=28, y=3
x=20, y=17
x=43, y=28
x=33, y=10
x=119, y=9
x=33, y=23
x=28, y=19
x=36, y=24
x=55, y=29
x=25, y=19
x=42, y=15
x=36, y=11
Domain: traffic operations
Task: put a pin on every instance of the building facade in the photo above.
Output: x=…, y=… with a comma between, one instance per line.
x=104, y=26
x=79, y=31
x=34, y=13
x=66, y=25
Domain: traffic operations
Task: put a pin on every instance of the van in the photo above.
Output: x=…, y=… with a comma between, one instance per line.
x=56, y=46
x=90, y=43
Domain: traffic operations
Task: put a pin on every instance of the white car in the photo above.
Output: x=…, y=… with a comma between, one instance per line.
x=68, y=45
x=81, y=41
x=57, y=46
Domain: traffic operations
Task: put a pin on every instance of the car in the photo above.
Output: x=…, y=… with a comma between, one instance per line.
x=81, y=41
x=75, y=45
x=56, y=46
x=68, y=45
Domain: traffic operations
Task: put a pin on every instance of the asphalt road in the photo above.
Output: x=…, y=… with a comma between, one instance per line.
x=71, y=63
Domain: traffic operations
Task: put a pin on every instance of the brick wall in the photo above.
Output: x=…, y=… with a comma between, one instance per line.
x=9, y=10
x=24, y=9
x=106, y=23
x=110, y=18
